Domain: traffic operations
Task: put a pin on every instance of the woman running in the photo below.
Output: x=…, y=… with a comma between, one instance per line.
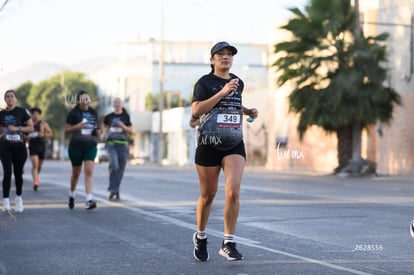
x=82, y=122
x=217, y=109
x=37, y=144
x=14, y=122
x=116, y=128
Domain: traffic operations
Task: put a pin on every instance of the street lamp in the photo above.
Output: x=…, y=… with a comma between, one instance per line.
x=161, y=87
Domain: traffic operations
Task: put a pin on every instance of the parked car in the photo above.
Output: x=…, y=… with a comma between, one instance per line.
x=102, y=153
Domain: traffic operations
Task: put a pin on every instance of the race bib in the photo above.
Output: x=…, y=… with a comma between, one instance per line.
x=86, y=132
x=34, y=134
x=14, y=138
x=115, y=129
x=228, y=119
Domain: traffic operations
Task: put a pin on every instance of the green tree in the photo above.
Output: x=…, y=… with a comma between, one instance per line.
x=171, y=100
x=23, y=92
x=151, y=102
x=339, y=80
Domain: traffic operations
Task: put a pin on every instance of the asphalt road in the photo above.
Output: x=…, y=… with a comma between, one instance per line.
x=288, y=224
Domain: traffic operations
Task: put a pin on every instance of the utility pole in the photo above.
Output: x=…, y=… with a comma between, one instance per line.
x=62, y=130
x=3, y=5
x=356, y=127
x=161, y=87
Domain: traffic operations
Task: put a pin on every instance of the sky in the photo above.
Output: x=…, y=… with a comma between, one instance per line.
x=72, y=31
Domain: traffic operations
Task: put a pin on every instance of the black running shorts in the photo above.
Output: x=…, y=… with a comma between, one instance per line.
x=208, y=156
x=38, y=150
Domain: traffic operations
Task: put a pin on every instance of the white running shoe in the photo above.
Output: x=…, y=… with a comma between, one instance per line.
x=6, y=205
x=18, y=205
x=230, y=252
x=412, y=229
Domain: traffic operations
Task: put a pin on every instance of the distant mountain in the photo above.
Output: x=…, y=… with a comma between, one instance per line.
x=40, y=71
x=92, y=65
x=34, y=73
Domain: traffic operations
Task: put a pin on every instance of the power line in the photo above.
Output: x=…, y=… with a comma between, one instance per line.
x=387, y=24
x=4, y=5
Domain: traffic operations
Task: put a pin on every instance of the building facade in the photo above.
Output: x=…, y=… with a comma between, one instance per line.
x=390, y=146
x=395, y=147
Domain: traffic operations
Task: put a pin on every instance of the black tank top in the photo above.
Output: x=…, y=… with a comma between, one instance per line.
x=34, y=136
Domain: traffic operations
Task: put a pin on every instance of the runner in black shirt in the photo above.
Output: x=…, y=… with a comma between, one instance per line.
x=116, y=129
x=217, y=109
x=82, y=122
x=37, y=144
x=14, y=122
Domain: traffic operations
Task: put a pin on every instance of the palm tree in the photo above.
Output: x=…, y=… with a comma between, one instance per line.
x=339, y=80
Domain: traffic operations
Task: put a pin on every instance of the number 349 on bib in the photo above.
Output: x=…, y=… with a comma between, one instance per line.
x=229, y=119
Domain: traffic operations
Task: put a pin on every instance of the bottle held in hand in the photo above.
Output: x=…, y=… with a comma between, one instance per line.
x=249, y=119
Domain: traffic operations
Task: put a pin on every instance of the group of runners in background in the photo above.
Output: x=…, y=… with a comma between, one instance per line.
x=20, y=126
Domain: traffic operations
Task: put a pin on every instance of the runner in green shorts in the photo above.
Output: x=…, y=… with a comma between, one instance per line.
x=82, y=123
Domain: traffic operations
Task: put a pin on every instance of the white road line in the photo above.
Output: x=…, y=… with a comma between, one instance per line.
x=216, y=233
